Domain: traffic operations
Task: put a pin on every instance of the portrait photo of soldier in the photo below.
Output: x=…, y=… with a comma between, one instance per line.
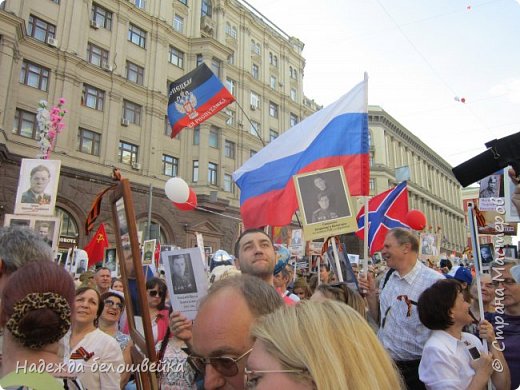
x=183, y=279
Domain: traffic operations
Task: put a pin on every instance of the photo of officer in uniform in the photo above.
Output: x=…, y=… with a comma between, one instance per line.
x=37, y=187
x=183, y=279
x=324, y=212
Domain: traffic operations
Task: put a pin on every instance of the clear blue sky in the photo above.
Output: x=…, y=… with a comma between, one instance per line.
x=419, y=56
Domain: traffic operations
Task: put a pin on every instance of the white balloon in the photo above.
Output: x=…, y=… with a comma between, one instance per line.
x=177, y=190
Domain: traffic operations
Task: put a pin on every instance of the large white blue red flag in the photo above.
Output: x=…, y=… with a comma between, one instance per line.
x=337, y=135
x=385, y=211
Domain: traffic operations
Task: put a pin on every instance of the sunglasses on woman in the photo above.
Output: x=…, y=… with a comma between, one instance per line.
x=111, y=303
x=225, y=365
x=154, y=293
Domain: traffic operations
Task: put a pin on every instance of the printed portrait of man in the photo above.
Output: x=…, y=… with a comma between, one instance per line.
x=39, y=179
x=323, y=196
x=45, y=231
x=489, y=187
x=183, y=279
x=37, y=187
x=110, y=259
x=324, y=212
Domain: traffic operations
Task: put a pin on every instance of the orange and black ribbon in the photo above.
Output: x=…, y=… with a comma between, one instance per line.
x=408, y=302
x=81, y=353
x=95, y=209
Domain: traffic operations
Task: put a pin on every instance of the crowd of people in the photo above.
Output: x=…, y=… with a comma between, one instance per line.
x=409, y=325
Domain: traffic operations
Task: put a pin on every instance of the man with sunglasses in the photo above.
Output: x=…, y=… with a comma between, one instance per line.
x=401, y=332
x=506, y=318
x=221, y=338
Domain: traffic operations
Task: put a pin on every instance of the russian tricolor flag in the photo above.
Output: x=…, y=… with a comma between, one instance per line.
x=336, y=135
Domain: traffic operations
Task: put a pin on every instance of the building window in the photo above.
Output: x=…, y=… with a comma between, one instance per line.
x=178, y=23
x=134, y=73
x=255, y=100
x=255, y=129
x=153, y=232
x=255, y=71
x=199, y=60
x=176, y=57
x=371, y=158
x=369, y=139
x=230, y=120
x=273, y=134
x=229, y=149
x=185, y=2
x=132, y=112
x=195, y=171
x=196, y=135
x=93, y=97
x=255, y=47
x=272, y=82
x=137, y=35
x=170, y=165
x=293, y=120
x=213, y=137
x=97, y=55
x=228, y=183
x=231, y=85
x=101, y=16
x=372, y=184
x=273, y=60
x=212, y=173
x=40, y=29
x=128, y=153
x=252, y=153
x=231, y=31
x=293, y=94
x=25, y=123
x=89, y=142
x=68, y=226
x=231, y=59
x=140, y=4
x=273, y=110
x=216, y=65
x=34, y=75
x=206, y=9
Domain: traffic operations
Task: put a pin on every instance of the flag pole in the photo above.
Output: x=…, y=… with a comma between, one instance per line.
x=336, y=259
x=365, y=240
x=472, y=219
x=256, y=130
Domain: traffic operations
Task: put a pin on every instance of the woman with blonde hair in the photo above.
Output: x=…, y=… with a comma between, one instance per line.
x=318, y=345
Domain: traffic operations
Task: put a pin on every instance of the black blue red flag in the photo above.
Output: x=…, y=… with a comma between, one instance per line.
x=195, y=97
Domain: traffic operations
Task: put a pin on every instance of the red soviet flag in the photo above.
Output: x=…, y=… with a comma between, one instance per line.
x=96, y=247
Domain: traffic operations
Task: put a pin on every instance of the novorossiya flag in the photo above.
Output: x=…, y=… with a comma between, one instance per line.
x=195, y=97
x=385, y=211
